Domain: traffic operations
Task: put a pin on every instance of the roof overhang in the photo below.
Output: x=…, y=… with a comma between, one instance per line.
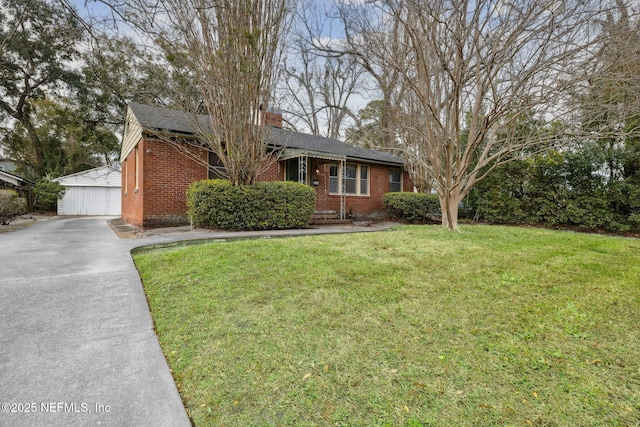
x=167, y=133
x=15, y=179
x=290, y=153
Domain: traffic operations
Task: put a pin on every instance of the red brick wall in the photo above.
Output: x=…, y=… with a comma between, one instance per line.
x=272, y=119
x=132, y=202
x=168, y=174
x=165, y=176
x=275, y=172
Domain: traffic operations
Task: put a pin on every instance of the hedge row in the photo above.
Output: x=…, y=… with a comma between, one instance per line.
x=412, y=207
x=263, y=206
x=558, y=190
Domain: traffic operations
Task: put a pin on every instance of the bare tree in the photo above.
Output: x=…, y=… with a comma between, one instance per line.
x=473, y=70
x=316, y=91
x=373, y=41
x=613, y=87
x=317, y=88
x=230, y=49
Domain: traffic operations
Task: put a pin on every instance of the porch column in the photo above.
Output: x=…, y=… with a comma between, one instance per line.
x=343, y=190
x=302, y=169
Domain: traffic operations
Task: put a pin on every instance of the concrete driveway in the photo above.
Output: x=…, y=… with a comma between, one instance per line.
x=77, y=345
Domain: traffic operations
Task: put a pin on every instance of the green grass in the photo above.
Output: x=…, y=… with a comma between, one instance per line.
x=417, y=326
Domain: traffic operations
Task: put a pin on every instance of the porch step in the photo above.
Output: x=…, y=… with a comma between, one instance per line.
x=327, y=217
x=330, y=221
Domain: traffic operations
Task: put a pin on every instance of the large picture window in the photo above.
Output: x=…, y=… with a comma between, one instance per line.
x=356, y=179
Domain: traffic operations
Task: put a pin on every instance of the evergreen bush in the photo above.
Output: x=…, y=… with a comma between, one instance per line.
x=412, y=207
x=263, y=206
x=558, y=190
x=46, y=194
x=11, y=206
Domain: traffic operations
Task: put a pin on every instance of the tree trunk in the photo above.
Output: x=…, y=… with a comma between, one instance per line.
x=449, y=202
x=40, y=167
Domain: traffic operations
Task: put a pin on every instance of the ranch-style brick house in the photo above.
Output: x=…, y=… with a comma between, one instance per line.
x=349, y=181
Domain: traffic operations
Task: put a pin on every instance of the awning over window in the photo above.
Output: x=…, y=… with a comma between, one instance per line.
x=291, y=153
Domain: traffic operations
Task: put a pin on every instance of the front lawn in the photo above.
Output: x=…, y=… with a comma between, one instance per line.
x=496, y=326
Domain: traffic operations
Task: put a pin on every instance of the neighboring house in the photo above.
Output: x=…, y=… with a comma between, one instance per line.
x=7, y=165
x=349, y=181
x=22, y=186
x=92, y=192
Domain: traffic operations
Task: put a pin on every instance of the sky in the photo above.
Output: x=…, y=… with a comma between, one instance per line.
x=94, y=9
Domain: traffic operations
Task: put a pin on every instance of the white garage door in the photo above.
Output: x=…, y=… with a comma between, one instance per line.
x=90, y=201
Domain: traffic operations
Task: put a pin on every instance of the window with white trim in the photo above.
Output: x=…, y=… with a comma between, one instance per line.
x=356, y=179
x=364, y=180
x=334, y=179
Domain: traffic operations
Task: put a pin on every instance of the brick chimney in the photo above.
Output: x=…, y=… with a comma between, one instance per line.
x=273, y=118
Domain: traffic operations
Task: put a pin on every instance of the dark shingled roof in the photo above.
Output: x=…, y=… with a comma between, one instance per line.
x=18, y=178
x=153, y=118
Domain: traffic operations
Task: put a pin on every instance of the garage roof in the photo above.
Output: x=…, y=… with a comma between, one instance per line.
x=103, y=176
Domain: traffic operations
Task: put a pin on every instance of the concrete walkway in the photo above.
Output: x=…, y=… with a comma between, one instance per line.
x=77, y=345
x=186, y=235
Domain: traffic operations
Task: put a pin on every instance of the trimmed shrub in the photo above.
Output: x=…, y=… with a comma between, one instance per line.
x=11, y=206
x=412, y=207
x=263, y=206
x=47, y=193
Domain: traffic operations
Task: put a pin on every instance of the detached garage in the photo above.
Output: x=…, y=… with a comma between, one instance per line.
x=92, y=192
